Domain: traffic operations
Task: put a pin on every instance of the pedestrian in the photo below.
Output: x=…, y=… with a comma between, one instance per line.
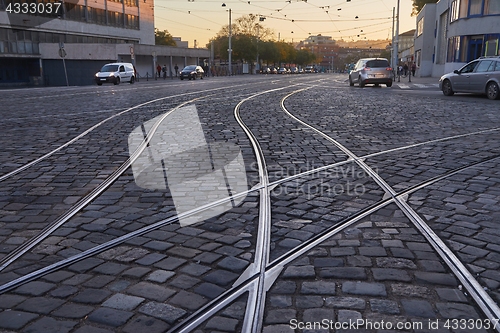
x=164, y=70
x=176, y=70
x=158, y=69
x=413, y=69
x=405, y=69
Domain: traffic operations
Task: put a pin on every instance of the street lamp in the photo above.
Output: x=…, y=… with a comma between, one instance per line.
x=229, y=50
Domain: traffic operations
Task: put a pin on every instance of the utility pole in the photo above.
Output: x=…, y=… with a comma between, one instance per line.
x=392, y=42
x=230, y=50
x=396, y=41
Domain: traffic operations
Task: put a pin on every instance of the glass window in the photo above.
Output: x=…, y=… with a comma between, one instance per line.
x=420, y=26
x=483, y=66
x=454, y=10
x=464, y=8
x=476, y=7
x=469, y=68
x=492, y=7
x=497, y=67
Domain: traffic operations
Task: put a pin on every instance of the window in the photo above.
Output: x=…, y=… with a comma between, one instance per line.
x=469, y=68
x=483, y=66
x=420, y=26
x=454, y=10
x=377, y=63
x=453, y=49
x=463, y=8
x=475, y=7
x=492, y=7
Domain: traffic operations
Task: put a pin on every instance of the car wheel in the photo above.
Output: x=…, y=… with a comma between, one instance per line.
x=132, y=80
x=447, y=89
x=350, y=82
x=99, y=84
x=194, y=77
x=117, y=81
x=201, y=77
x=182, y=78
x=492, y=91
x=388, y=84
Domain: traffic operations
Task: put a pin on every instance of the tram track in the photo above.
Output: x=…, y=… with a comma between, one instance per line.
x=84, y=201
x=483, y=300
x=99, y=124
x=264, y=271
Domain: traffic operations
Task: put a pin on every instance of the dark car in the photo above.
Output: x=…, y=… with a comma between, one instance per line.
x=192, y=72
x=481, y=76
x=371, y=71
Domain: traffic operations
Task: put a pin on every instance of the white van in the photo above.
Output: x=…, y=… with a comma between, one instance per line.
x=115, y=73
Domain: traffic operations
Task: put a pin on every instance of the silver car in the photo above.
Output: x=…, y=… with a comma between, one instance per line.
x=371, y=71
x=481, y=76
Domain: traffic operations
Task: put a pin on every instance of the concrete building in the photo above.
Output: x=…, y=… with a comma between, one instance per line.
x=451, y=33
x=406, y=42
x=87, y=34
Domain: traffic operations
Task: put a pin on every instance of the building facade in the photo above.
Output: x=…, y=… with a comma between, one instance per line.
x=34, y=39
x=451, y=33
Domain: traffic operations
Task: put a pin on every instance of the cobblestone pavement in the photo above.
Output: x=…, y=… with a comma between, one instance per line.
x=142, y=254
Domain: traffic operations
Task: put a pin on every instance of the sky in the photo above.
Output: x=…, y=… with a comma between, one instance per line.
x=291, y=21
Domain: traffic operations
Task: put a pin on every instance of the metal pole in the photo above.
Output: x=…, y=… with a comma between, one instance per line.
x=257, y=66
x=230, y=50
x=65, y=72
x=392, y=48
x=396, y=43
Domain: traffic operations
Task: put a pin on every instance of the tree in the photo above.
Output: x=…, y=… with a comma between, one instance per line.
x=419, y=4
x=164, y=38
x=304, y=57
x=268, y=52
x=244, y=48
x=247, y=25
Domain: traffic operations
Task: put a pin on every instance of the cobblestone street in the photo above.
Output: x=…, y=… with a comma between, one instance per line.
x=272, y=203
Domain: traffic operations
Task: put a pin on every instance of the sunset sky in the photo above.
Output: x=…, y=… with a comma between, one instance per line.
x=291, y=20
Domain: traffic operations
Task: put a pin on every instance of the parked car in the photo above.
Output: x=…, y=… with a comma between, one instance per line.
x=282, y=70
x=192, y=72
x=266, y=70
x=481, y=76
x=115, y=73
x=294, y=70
x=309, y=69
x=371, y=71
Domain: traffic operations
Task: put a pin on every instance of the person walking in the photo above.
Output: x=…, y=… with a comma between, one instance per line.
x=405, y=69
x=158, y=69
x=176, y=70
x=164, y=70
x=413, y=69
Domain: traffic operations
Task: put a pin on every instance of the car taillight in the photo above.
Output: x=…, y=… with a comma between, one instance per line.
x=388, y=69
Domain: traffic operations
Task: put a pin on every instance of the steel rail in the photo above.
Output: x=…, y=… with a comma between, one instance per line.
x=81, y=135
x=273, y=268
x=277, y=261
x=255, y=308
x=19, y=251
x=46, y=231
x=483, y=300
